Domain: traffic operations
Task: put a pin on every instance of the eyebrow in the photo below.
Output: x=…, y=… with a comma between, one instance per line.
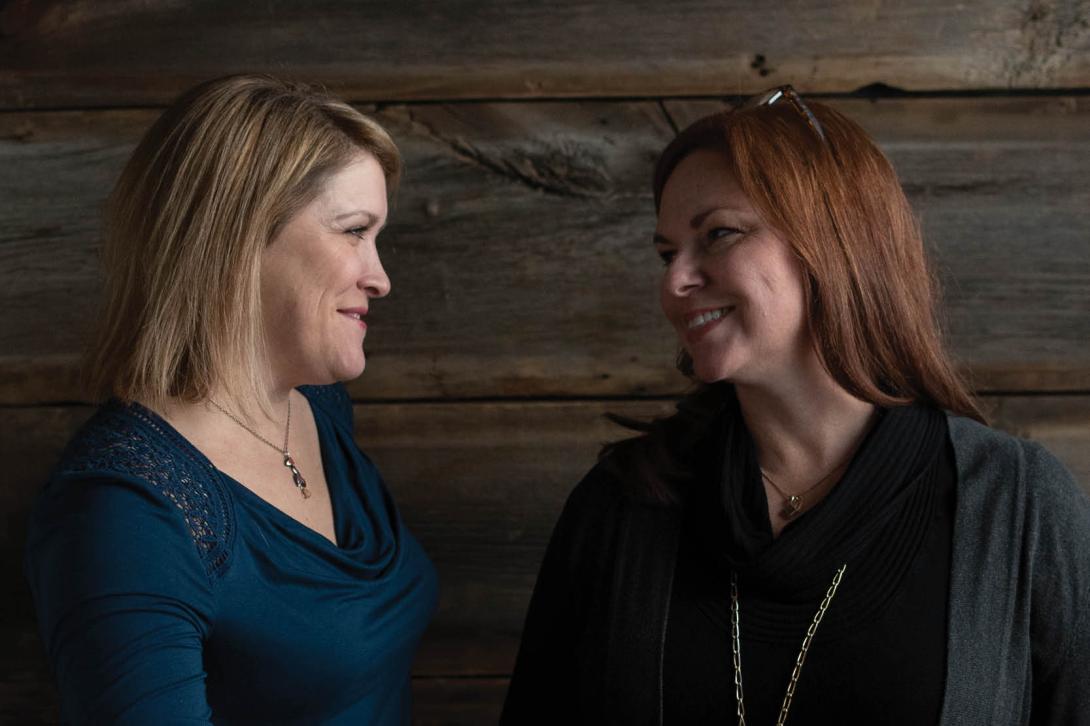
x=372, y=218
x=694, y=223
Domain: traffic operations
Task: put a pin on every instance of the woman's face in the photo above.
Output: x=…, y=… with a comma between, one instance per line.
x=732, y=287
x=319, y=275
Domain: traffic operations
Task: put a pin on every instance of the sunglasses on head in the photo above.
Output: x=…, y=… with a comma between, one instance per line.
x=787, y=94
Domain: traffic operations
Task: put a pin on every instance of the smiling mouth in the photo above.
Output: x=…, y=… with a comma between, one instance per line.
x=354, y=316
x=706, y=318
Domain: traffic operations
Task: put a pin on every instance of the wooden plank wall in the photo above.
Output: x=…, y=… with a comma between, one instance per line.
x=524, y=301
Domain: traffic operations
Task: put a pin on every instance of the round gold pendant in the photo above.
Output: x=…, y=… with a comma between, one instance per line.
x=791, y=507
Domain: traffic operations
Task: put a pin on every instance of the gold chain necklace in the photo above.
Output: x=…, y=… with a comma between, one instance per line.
x=289, y=462
x=736, y=647
x=792, y=503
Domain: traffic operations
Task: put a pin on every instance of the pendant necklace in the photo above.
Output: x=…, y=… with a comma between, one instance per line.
x=289, y=462
x=792, y=503
x=736, y=647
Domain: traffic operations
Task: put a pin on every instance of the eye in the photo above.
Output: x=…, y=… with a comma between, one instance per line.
x=359, y=232
x=718, y=234
x=666, y=255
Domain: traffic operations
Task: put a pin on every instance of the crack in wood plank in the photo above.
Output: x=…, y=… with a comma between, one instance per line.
x=559, y=169
x=669, y=118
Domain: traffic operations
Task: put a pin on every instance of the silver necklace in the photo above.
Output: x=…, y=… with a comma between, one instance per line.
x=736, y=647
x=289, y=462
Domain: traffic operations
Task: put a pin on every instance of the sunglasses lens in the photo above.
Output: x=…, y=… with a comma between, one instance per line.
x=771, y=97
x=764, y=99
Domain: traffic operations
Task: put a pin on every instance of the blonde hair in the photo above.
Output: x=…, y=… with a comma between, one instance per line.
x=206, y=190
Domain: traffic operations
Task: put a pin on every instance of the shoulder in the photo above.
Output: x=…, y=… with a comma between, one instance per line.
x=1016, y=498
x=614, y=482
x=127, y=525
x=605, y=502
x=125, y=464
x=1019, y=503
x=599, y=491
x=1024, y=470
x=333, y=400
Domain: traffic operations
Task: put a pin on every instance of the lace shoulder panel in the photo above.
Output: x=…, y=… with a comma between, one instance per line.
x=130, y=440
x=334, y=400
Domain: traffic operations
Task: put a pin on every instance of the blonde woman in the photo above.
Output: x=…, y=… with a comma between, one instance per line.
x=213, y=547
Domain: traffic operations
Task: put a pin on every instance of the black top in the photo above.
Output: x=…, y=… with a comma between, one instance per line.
x=1018, y=630
x=879, y=654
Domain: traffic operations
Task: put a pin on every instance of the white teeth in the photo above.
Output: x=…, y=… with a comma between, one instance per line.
x=708, y=317
x=357, y=316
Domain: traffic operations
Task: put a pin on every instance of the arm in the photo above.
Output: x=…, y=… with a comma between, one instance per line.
x=1060, y=619
x=123, y=602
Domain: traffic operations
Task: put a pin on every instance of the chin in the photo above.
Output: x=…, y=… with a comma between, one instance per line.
x=715, y=368
x=710, y=372
x=352, y=372
x=710, y=378
x=346, y=368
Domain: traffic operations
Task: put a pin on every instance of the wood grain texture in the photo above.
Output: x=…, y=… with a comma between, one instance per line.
x=28, y=696
x=458, y=701
x=481, y=485
x=519, y=244
x=85, y=53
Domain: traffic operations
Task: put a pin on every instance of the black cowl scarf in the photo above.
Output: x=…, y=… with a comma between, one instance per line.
x=879, y=654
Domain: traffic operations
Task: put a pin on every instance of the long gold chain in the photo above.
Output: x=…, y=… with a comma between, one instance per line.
x=289, y=462
x=736, y=647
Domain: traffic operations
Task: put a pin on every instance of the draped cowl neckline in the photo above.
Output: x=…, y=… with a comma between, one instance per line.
x=873, y=520
x=366, y=522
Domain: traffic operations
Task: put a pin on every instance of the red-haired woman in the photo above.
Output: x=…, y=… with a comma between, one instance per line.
x=826, y=530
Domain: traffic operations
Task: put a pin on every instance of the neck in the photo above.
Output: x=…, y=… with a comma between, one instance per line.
x=252, y=410
x=269, y=418
x=805, y=428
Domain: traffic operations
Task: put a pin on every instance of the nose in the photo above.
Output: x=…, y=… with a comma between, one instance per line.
x=683, y=276
x=373, y=280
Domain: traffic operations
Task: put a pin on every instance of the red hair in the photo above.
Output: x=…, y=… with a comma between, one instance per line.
x=871, y=296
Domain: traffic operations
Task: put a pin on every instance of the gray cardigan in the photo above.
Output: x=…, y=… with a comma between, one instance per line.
x=1018, y=647
x=1019, y=627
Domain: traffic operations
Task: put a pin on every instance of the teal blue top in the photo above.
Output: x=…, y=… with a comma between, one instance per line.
x=169, y=593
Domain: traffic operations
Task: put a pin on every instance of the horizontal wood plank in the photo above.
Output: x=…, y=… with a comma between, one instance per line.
x=28, y=696
x=480, y=484
x=519, y=245
x=458, y=701
x=79, y=53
